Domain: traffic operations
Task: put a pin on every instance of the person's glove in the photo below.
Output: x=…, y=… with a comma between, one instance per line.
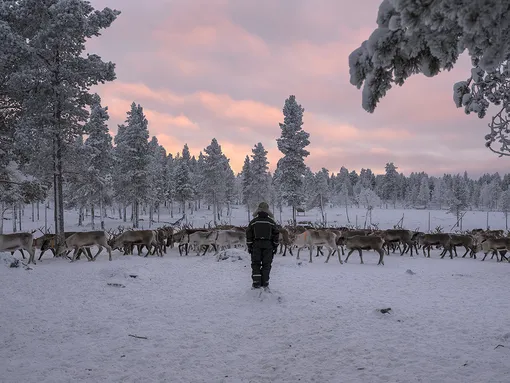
x=250, y=249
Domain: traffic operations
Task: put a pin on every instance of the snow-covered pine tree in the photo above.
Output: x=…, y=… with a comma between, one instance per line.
x=475, y=196
x=195, y=179
x=367, y=179
x=343, y=187
x=354, y=178
x=259, y=187
x=230, y=191
x=423, y=198
x=182, y=178
x=292, y=144
x=369, y=199
x=189, y=187
x=438, y=198
x=53, y=78
x=170, y=182
x=78, y=192
x=157, y=178
x=132, y=160
x=322, y=191
x=309, y=189
x=215, y=167
x=199, y=179
x=490, y=194
x=457, y=197
x=505, y=182
x=390, y=187
x=277, y=191
x=99, y=157
x=239, y=189
x=246, y=184
x=405, y=44
x=402, y=187
x=504, y=205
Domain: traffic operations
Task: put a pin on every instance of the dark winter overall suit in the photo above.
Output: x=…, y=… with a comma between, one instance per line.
x=262, y=241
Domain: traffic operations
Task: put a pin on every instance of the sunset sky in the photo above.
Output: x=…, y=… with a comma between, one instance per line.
x=223, y=69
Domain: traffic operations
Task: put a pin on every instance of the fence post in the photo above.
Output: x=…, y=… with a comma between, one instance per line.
x=487, y=220
x=429, y=221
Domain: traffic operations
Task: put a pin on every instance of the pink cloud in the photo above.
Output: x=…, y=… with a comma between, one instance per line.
x=216, y=68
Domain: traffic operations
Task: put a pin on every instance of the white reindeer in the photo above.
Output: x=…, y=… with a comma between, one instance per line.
x=310, y=238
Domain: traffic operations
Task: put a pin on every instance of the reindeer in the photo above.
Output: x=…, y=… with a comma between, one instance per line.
x=18, y=241
x=348, y=233
x=360, y=242
x=165, y=235
x=398, y=236
x=284, y=239
x=182, y=237
x=495, y=233
x=159, y=244
x=495, y=244
x=203, y=238
x=87, y=239
x=461, y=240
x=147, y=238
x=311, y=237
x=428, y=240
x=48, y=242
x=229, y=238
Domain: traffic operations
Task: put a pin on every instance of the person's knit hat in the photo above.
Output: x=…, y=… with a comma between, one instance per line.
x=263, y=207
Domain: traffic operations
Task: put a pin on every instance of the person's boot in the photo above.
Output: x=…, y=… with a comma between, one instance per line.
x=257, y=281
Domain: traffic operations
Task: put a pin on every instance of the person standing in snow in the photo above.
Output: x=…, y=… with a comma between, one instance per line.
x=262, y=242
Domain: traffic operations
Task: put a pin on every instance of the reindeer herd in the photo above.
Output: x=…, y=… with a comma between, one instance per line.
x=187, y=238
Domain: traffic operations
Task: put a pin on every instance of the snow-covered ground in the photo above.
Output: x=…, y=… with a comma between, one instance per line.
x=71, y=322
x=62, y=322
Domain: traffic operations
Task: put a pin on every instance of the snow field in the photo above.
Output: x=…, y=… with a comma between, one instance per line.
x=62, y=322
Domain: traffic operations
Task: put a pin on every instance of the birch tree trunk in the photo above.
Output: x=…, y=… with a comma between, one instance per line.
x=101, y=210
x=214, y=210
x=46, y=216
x=3, y=209
x=80, y=216
x=14, y=218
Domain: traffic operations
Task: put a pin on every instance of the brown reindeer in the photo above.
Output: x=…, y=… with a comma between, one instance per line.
x=399, y=236
x=86, y=239
x=284, y=239
x=363, y=242
x=442, y=239
x=147, y=238
x=48, y=242
x=345, y=234
x=467, y=241
x=18, y=241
